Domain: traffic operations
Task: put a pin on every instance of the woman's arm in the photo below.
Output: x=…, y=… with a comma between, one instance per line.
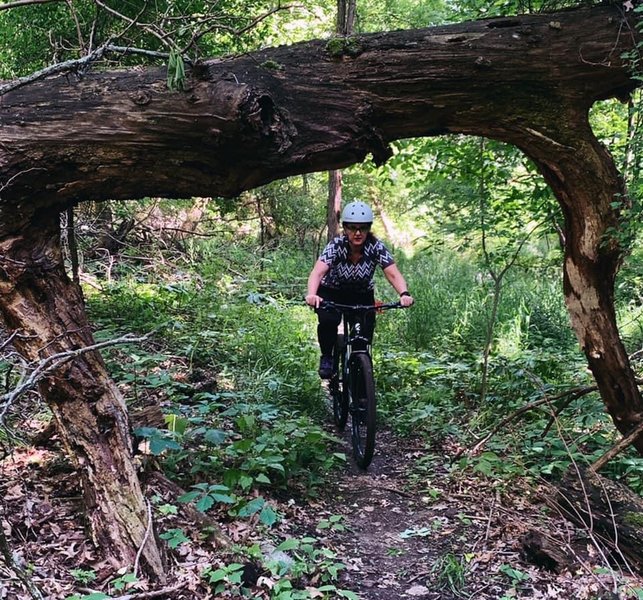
x=396, y=279
x=314, y=279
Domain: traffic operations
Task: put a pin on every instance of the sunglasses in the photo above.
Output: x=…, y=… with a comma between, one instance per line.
x=355, y=228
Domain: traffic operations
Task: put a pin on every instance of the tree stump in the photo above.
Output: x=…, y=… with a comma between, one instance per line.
x=544, y=551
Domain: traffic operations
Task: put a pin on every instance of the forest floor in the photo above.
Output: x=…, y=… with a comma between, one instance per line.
x=434, y=537
x=399, y=531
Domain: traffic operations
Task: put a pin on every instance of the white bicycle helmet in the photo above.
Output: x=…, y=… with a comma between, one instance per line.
x=357, y=212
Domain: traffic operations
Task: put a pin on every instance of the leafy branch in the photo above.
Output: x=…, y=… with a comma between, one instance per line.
x=17, y=3
x=167, y=30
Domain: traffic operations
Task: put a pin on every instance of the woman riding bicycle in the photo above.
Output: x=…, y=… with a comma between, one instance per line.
x=344, y=274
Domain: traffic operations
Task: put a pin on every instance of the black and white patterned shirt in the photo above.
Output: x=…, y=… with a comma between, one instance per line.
x=345, y=275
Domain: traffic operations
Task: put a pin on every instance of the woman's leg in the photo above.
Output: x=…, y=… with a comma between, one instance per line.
x=328, y=321
x=327, y=330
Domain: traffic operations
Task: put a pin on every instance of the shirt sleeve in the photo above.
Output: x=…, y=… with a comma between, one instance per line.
x=329, y=254
x=384, y=257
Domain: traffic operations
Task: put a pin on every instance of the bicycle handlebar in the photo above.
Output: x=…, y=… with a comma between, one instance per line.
x=359, y=307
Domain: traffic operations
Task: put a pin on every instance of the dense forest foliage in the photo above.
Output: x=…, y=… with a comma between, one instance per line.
x=484, y=373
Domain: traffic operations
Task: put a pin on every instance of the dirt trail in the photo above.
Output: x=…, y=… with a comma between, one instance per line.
x=387, y=544
x=406, y=528
x=437, y=536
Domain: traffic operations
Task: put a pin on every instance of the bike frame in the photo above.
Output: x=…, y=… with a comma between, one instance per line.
x=345, y=384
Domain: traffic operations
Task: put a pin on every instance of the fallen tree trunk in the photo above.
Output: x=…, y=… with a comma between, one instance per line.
x=246, y=121
x=610, y=512
x=243, y=122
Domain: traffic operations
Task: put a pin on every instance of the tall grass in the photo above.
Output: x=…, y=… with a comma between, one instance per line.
x=241, y=315
x=452, y=311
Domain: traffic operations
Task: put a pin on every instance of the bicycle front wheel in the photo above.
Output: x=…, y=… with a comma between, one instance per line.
x=363, y=408
x=337, y=385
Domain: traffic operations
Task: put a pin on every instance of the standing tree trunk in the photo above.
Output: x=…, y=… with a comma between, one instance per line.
x=46, y=308
x=346, y=12
x=240, y=123
x=589, y=188
x=345, y=22
x=334, y=205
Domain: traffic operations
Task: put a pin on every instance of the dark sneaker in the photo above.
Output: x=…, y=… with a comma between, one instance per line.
x=326, y=367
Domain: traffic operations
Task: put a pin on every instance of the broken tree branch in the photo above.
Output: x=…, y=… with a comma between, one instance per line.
x=48, y=365
x=617, y=449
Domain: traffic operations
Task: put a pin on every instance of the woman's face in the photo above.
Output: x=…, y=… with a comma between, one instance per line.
x=357, y=232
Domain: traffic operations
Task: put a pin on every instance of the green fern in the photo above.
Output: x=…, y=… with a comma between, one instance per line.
x=175, y=71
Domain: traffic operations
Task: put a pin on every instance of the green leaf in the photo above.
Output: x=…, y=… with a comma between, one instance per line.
x=268, y=516
x=176, y=423
x=159, y=444
x=277, y=467
x=289, y=544
x=189, y=497
x=215, y=436
x=252, y=507
x=514, y=574
x=218, y=575
x=174, y=537
x=205, y=503
x=224, y=498
x=245, y=481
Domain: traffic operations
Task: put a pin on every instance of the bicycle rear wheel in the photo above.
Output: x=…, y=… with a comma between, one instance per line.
x=362, y=408
x=337, y=385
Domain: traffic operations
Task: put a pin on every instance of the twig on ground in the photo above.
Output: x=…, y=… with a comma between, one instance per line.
x=143, y=595
x=396, y=491
x=148, y=532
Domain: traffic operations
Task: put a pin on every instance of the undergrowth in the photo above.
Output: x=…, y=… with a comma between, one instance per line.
x=231, y=362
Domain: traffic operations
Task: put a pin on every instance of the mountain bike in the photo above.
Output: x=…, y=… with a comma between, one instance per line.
x=352, y=386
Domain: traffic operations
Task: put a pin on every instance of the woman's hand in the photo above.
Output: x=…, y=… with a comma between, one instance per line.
x=313, y=300
x=406, y=300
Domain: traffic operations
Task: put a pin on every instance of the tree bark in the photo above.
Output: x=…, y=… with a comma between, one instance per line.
x=243, y=122
x=246, y=121
x=38, y=300
x=585, y=180
x=334, y=204
x=346, y=12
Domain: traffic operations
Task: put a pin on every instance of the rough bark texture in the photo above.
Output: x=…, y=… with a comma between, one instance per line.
x=39, y=301
x=334, y=203
x=587, y=184
x=243, y=122
x=309, y=107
